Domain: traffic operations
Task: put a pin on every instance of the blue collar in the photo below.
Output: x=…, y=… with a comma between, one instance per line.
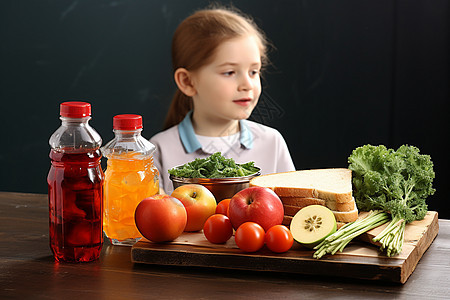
x=191, y=144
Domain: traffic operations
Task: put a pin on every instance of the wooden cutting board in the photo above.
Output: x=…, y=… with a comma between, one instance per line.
x=359, y=259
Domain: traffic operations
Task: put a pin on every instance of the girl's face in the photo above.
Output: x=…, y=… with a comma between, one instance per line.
x=229, y=86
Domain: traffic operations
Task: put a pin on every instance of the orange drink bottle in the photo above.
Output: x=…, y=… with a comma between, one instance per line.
x=130, y=177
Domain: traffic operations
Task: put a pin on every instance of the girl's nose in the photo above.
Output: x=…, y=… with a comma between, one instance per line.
x=245, y=83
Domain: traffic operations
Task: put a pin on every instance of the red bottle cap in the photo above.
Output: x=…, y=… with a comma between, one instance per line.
x=127, y=122
x=75, y=109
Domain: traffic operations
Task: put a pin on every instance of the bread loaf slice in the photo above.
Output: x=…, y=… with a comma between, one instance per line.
x=348, y=206
x=341, y=216
x=346, y=216
x=302, y=202
x=290, y=210
x=327, y=184
x=333, y=205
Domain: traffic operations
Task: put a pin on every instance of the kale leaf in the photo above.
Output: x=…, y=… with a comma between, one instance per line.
x=397, y=182
x=214, y=166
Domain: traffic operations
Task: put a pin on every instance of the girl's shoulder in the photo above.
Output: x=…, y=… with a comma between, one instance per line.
x=258, y=128
x=166, y=135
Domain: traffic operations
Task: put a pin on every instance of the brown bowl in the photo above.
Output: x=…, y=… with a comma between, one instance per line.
x=222, y=188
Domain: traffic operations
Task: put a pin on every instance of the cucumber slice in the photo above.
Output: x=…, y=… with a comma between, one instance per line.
x=312, y=224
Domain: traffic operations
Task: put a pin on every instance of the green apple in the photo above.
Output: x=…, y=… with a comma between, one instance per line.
x=199, y=202
x=312, y=224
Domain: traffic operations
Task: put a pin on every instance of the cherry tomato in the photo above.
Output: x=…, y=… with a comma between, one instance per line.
x=249, y=237
x=222, y=207
x=279, y=238
x=218, y=229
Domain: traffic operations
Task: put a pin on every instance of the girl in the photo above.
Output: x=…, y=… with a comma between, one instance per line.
x=217, y=56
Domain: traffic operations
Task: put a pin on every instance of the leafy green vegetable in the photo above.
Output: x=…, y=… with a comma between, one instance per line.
x=388, y=182
x=214, y=166
x=397, y=182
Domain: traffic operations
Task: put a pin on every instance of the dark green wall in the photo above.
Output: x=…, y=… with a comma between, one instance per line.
x=345, y=73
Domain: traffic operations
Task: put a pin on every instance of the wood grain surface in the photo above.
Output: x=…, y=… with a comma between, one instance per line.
x=28, y=270
x=358, y=260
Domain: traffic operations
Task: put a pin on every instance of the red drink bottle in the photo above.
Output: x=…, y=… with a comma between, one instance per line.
x=75, y=187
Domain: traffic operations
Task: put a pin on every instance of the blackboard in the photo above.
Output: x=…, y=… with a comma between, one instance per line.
x=343, y=74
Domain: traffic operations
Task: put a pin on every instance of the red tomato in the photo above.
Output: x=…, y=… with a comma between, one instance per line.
x=249, y=237
x=222, y=207
x=218, y=229
x=279, y=239
x=160, y=218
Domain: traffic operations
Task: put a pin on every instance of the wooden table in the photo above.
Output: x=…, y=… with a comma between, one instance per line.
x=28, y=271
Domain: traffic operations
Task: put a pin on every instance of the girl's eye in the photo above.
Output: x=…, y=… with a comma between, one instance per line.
x=229, y=73
x=254, y=72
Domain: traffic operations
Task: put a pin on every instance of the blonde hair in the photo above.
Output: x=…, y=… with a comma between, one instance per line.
x=194, y=44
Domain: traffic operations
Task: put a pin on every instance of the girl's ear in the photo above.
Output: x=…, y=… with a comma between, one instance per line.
x=183, y=79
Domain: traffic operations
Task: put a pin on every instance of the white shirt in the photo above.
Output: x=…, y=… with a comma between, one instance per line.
x=259, y=143
x=213, y=144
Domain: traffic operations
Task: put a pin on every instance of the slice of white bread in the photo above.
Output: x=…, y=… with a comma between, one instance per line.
x=302, y=202
x=347, y=206
x=346, y=216
x=333, y=205
x=290, y=210
x=341, y=216
x=328, y=184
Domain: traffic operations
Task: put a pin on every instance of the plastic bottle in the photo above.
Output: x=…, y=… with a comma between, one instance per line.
x=75, y=186
x=130, y=177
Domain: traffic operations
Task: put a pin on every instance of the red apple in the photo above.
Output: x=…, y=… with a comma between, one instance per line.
x=256, y=204
x=160, y=218
x=199, y=202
